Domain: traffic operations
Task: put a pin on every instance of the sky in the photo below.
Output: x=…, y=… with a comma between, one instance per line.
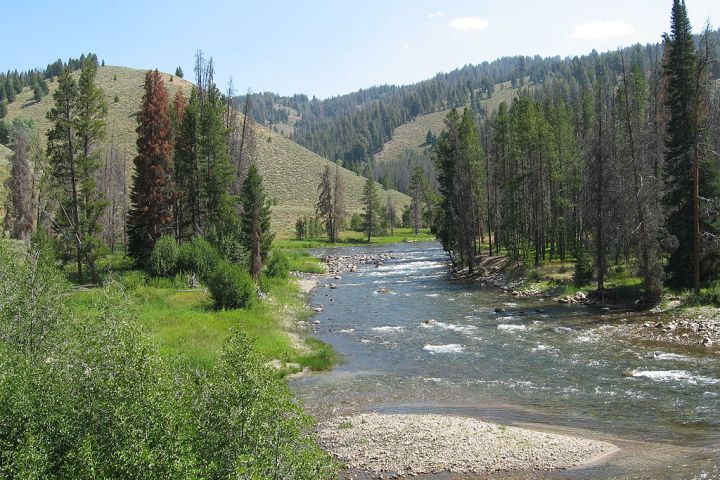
x=327, y=47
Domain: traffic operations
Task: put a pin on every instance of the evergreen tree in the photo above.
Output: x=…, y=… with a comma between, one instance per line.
x=179, y=72
x=687, y=176
x=255, y=223
x=152, y=193
x=339, y=212
x=37, y=93
x=78, y=123
x=3, y=109
x=324, y=206
x=371, y=216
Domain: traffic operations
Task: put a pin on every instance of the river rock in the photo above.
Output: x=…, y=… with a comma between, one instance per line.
x=382, y=290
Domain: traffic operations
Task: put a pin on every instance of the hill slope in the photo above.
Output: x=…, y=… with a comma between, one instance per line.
x=291, y=172
x=411, y=135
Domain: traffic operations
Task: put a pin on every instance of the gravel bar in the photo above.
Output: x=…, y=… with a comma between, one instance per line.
x=409, y=444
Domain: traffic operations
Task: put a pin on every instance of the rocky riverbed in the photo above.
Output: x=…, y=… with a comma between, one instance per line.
x=337, y=264
x=409, y=444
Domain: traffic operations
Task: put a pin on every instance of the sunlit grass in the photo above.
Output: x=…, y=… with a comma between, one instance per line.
x=401, y=235
x=188, y=330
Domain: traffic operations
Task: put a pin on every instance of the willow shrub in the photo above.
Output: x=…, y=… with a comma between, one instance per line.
x=90, y=397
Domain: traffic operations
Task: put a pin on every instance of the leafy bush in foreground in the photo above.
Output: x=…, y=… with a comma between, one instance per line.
x=231, y=286
x=90, y=397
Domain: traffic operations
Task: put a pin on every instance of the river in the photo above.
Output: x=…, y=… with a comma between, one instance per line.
x=437, y=344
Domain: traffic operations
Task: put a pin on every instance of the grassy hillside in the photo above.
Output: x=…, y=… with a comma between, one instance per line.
x=411, y=136
x=291, y=171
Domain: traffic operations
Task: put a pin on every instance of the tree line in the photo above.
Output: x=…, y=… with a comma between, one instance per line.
x=625, y=168
x=12, y=83
x=194, y=176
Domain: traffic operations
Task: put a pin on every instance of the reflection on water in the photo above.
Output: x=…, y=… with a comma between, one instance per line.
x=438, y=344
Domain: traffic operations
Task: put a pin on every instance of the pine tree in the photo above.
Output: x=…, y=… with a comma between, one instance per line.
x=179, y=72
x=339, y=212
x=77, y=125
x=371, y=216
x=680, y=75
x=153, y=193
x=188, y=214
x=19, y=211
x=3, y=109
x=255, y=223
x=324, y=206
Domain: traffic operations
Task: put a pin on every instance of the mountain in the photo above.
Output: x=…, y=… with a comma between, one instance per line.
x=291, y=172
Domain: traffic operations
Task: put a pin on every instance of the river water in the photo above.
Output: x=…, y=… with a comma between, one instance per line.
x=436, y=344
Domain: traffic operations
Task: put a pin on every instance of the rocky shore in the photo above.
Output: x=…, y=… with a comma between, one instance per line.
x=389, y=445
x=337, y=264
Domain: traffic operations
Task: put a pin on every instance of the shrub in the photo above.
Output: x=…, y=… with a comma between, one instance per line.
x=198, y=256
x=232, y=287
x=356, y=222
x=583, y=267
x=278, y=265
x=164, y=257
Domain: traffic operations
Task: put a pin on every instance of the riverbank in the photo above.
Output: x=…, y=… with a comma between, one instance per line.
x=350, y=238
x=676, y=320
x=426, y=444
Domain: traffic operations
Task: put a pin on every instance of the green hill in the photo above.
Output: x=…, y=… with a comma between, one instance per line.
x=411, y=136
x=291, y=172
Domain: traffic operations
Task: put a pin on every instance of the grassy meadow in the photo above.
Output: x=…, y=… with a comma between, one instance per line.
x=188, y=329
x=351, y=237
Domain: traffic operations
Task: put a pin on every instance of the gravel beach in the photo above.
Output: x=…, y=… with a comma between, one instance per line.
x=408, y=444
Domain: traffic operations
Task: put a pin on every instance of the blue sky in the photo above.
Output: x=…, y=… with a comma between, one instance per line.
x=325, y=47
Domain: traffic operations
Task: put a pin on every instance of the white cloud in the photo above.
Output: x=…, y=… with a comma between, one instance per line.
x=434, y=15
x=467, y=24
x=406, y=46
x=601, y=29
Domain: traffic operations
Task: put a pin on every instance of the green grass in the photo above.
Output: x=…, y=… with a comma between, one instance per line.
x=291, y=172
x=187, y=329
x=304, y=262
x=357, y=238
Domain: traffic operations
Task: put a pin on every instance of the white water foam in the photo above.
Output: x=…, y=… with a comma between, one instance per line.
x=449, y=348
x=506, y=319
x=676, y=375
x=388, y=329
x=511, y=328
x=432, y=295
x=347, y=330
x=563, y=330
x=669, y=356
x=449, y=326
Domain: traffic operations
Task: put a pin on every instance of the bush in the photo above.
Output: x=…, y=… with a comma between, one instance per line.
x=278, y=265
x=164, y=257
x=356, y=222
x=94, y=399
x=198, y=256
x=583, y=267
x=232, y=287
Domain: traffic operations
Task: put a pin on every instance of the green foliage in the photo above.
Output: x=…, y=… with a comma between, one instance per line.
x=356, y=222
x=371, y=216
x=231, y=287
x=300, y=230
x=255, y=222
x=583, y=267
x=164, y=257
x=278, y=265
x=198, y=256
x=89, y=397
